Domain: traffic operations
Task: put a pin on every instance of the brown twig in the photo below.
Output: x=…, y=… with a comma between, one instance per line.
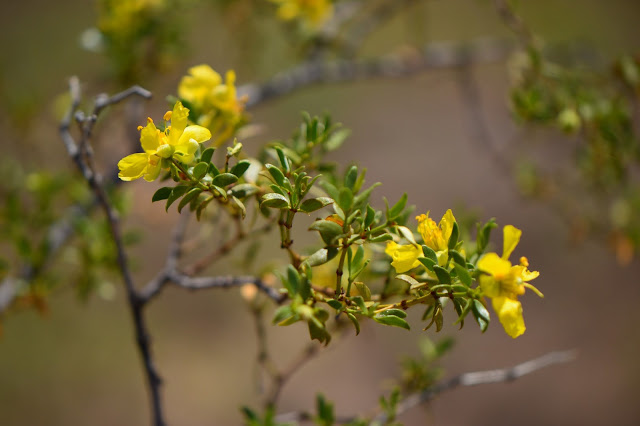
x=75, y=151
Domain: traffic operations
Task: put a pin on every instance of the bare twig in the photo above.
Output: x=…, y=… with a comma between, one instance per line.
x=476, y=378
x=94, y=181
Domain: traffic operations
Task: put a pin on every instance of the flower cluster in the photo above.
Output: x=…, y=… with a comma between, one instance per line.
x=119, y=19
x=503, y=282
x=179, y=142
x=215, y=103
x=436, y=237
x=313, y=13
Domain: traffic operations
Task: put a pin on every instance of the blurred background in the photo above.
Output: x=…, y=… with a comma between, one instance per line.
x=78, y=364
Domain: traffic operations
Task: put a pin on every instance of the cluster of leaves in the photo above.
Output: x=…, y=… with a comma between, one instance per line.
x=599, y=109
x=202, y=183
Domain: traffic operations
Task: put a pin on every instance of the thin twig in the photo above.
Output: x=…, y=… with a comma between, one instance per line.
x=476, y=378
x=93, y=179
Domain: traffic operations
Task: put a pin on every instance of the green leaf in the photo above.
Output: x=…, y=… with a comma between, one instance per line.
x=282, y=314
x=442, y=274
x=328, y=230
x=397, y=207
x=409, y=280
x=364, y=195
x=457, y=258
x=191, y=195
x=358, y=259
x=331, y=190
x=203, y=205
x=293, y=279
x=221, y=191
x=319, y=332
x=314, y=204
x=394, y=312
x=321, y=256
x=407, y=234
x=428, y=252
x=360, y=302
x=240, y=167
x=345, y=199
x=484, y=234
x=241, y=206
x=381, y=238
x=392, y=321
x=161, y=194
x=200, y=170
x=244, y=190
x=481, y=315
x=370, y=217
x=213, y=170
x=363, y=290
x=335, y=304
x=453, y=240
x=224, y=179
x=350, y=177
x=176, y=193
x=275, y=201
x=207, y=154
x=283, y=160
x=355, y=322
x=428, y=263
x=336, y=139
x=325, y=416
x=463, y=274
x=276, y=174
x=439, y=318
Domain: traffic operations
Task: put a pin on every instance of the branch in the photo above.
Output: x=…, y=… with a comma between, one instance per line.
x=75, y=151
x=434, y=56
x=476, y=378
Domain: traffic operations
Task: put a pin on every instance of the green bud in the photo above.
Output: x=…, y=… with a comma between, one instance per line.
x=165, y=151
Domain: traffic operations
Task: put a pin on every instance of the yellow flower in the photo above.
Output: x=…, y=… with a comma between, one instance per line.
x=503, y=282
x=313, y=12
x=178, y=141
x=405, y=257
x=216, y=103
x=122, y=18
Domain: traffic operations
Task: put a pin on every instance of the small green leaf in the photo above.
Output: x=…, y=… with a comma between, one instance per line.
x=241, y=206
x=463, y=274
x=200, y=170
x=398, y=207
x=360, y=302
x=392, y=321
x=240, y=167
x=161, y=194
x=381, y=238
x=244, y=190
x=176, y=193
x=407, y=234
x=345, y=198
x=350, y=177
x=370, y=217
x=428, y=252
x=336, y=139
x=191, y=195
x=276, y=174
x=355, y=322
x=207, y=154
x=395, y=312
x=331, y=190
x=275, y=201
x=321, y=256
x=442, y=274
x=284, y=161
x=335, y=304
x=313, y=204
x=363, y=196
x=453, y=240
x=328, y=230
x=224, y=179
x=325, y=416
x=213, y=170
x=409, y=280
x=428, y=263
x=457, y=258
x=481, y=315
x=363, y=290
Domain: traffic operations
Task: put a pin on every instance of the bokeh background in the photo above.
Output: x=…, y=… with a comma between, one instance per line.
x=78, y=364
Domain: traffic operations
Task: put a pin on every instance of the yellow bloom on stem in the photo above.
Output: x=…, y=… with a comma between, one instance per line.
x=503, y=282
x=215, y=101
x=313, y=12
x=405, y=257
x=179, y=142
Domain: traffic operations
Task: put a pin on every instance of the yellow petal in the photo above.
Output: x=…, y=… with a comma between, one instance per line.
x=205, y=75
x=493, y=264
x=510, y=314
x=149, y=137
x=179, y=119
x=133, y=166
x=511, y=236
x=153, y=170
x=405, y=257
x=446, y=224
x=198, y=133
